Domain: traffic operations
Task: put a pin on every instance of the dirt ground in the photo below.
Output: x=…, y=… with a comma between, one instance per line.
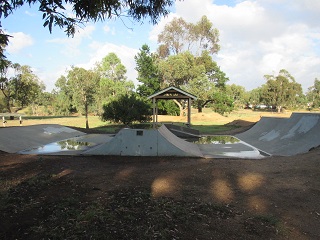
x=159, y=198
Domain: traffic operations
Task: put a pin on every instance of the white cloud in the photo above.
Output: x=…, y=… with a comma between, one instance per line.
x=71, y=45
x=260, y=37
x=18, y=42
x=31, y=14
x=126, y=55
x=107, y=29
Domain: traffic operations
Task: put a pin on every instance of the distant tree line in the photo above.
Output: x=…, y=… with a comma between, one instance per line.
x=184, y=59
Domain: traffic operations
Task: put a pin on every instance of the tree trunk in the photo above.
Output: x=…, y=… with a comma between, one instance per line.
x=279, y=109
x=7, y=100
x=199, y=109
x=86, y=113
x=180, y=107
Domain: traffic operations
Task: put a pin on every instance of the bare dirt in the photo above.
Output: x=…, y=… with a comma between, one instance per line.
x=106, y=197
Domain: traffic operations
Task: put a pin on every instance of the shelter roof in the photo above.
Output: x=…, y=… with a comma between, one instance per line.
x=172, y=93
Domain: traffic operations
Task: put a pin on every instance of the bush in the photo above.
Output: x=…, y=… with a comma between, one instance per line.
x=127, y=109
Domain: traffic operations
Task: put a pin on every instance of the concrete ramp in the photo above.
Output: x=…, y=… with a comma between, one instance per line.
x=15, y=139
x=183, y=132
x=285, y=136
x=142, y=142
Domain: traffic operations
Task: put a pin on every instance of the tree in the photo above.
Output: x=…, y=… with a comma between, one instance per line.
x=179, y=36
x=313, y=94
x=255, y=97
x=30, y=87
x=212, y=70
x=174, y=35
x=83, y=87
x=54, y=12
x=203, y=89
x=238, y=94
x=177, y=70
x=222, y=103
x=148, y=74
x=200, y=76
x=127, y=109
x=62, y=104
x=23, y=88
x=281, y=91
x=113, y=81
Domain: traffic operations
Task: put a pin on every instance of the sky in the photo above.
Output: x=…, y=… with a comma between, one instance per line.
x=256, y=37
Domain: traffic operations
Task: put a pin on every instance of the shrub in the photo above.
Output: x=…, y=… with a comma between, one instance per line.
x=127, y=109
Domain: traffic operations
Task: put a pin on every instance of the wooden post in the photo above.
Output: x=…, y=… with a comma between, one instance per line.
x=154, y=113
x=157, y=111
x=189, y=111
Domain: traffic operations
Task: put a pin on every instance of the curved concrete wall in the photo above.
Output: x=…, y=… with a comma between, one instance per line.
x=142, y=142
x=285, y=136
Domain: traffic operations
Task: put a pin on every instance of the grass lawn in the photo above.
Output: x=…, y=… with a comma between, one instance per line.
x=207, y=122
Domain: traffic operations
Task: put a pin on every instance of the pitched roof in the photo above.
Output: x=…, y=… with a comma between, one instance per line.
x=174, y=93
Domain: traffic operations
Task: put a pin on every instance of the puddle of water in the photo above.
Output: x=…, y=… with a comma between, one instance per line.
x=64, y=145
x=223, y=139
x=227, y=146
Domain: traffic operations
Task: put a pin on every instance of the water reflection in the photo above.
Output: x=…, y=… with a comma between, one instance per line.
x=216, y=140
x=61, y=146
x=71, y=144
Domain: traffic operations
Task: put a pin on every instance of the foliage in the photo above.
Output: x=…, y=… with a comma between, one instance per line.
x=238, y=94
x=127, y=109
x=313, y=94
x=202, y=89
x=168, y=107
x=281, y=91
x=23, y=88
x=255, y=96
x=179, y=36
x=62, y=104
x=213, y=72
x=54, y=13
x=222, y=103
x=82, y=85
x=147, y=72
x=179, y=69
x=113, y=81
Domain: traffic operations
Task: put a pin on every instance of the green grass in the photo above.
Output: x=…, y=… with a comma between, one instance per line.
x=108, y=127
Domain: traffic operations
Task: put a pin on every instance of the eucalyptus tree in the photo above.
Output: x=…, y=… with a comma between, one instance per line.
x=83, y=84
x=281, y=90
x=22, y=88
x=313, y=94
x=62, y=95
x=179, y=36
x=238, y=94
x=113, y=80
x=200, y=76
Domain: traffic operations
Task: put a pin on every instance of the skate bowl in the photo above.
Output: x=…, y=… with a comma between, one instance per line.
x=285, y=136
x=270, y=136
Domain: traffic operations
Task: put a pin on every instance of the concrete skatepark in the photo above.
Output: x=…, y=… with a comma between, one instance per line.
x=270, y=136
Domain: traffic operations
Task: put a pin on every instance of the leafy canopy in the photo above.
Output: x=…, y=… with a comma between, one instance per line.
x=127, y=109
x=281, y=90
x=55, y=13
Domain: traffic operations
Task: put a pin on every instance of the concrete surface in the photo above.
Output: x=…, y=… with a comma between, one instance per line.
x=285, y=136
x=142, y=142
x=270, y=136
x=14, y=139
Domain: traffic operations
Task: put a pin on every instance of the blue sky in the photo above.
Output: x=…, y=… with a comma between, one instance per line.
x=256, y=37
